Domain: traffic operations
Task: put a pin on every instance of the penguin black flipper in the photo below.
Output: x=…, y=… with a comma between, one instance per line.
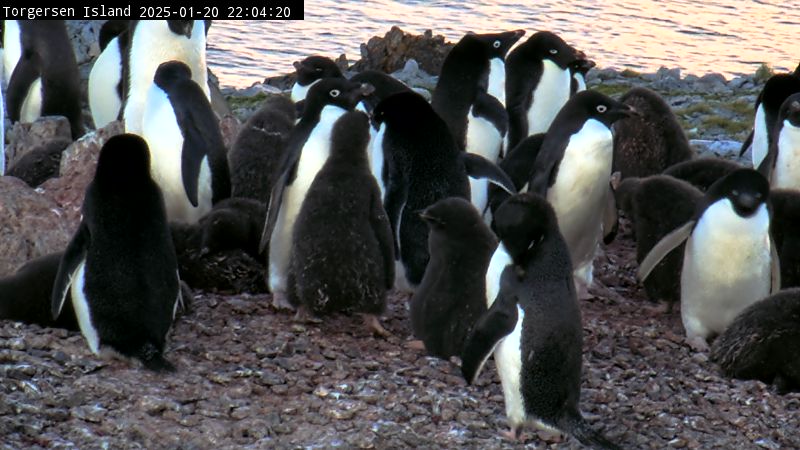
x=575, y=425
x=545, y=169
x=518, y=165
x=495, y=324
x=659, y=251
x=395, y=201
x=73, y=256
x=382, y=229
x=519, y=97
x=746, y=144
x=488, y=107
x=479, y=167
x=288, y=173
x=610, y=216
x=27, y=70
x=775, y=267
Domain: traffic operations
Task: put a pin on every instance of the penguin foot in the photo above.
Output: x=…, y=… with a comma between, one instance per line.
x=416, y=344
x=185, y=299
x=513, y=434
x=303, y=315
x=599, y=289
x=698, y=344
x=281, y=302
x=374, y=325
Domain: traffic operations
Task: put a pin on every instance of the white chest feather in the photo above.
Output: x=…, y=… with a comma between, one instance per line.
x=104, y=100
x=497, y=80
x=580, y=189
x=12, y=48
x=81, y=306
x=580, y=82
x=376, y=158
x=500, y=260
x=32, y=106
x=726, y=268
x=549, y=95
x=154, y=43
x=299, y=92
x=760, y=137
x=787, y=166
x=165, y=141
x=482, y=139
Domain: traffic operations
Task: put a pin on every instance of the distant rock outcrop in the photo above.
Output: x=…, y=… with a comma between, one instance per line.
x=391, y=52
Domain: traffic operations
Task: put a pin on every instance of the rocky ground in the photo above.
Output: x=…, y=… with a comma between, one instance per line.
x=250, y=377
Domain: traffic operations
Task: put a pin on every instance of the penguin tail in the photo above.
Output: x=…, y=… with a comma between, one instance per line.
x=153, y=359
x=573, y=424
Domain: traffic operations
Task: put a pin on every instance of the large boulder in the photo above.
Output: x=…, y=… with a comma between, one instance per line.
x=391, y=52
x=25, y=137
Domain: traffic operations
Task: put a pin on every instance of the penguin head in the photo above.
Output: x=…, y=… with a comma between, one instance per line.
x=746, y=189
x=522, y=222
x=790, y=110
x=594, y=105
x=124, y=158
x=547, y=45
x=316, y=68
x=335, y=91
x=777, y=89
x=181, y=27
x=498, y=44
x=582, y=66
x=350, y=136
x=453, y=216
x=405, y=110
x=170, y=74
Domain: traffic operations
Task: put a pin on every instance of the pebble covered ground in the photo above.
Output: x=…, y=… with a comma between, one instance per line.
x=250, y=377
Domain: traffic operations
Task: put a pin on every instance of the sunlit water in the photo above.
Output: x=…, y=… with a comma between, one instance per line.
x=731, y=37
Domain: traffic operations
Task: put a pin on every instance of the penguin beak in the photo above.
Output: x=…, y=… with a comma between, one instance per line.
x=297, y=65
x=519, y=33
x=746, y=204
x=187, y=29
x=630, y=111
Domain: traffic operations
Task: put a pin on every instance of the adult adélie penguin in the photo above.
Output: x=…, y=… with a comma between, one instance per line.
x=533, y=324
x=309, y=71
x=538, y=84
x=730, y=260
x=307, y=151
x=782, y=162
x=573, y=170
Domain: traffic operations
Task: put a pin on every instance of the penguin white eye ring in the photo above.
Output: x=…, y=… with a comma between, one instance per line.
x=496, y=44
x=553, y=51
x=602, y=109
x=335, y=93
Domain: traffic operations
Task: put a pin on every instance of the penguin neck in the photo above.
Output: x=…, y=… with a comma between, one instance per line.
x=299, y=92
x=497, y=79
x=787, y=171
x=325, y=116
x=549, y=95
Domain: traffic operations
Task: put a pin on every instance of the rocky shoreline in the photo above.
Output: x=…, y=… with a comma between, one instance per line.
x=250, y=377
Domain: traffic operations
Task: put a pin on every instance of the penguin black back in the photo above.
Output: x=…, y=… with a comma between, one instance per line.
x=384, y=84
x=702, y=172
x=784, y=230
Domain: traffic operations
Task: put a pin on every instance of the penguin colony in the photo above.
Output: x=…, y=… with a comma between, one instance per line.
x=487, y=205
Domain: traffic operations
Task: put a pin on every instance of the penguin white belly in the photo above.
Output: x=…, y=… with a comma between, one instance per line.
x=81, y=306
x=152, y=44
x=760, y=137
x=12, y=49
x=580, y=82
x=104, y=100
x=497, y=80
x=313, y=156
x=579, y=193
x=482, y=139
x=165, y=141
x=726, y=268
x=550, y=94
x=376, y=160
x=299, y=92
x=32, y=106
x=787, y=165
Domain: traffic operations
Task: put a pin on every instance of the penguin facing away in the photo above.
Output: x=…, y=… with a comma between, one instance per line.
x=730, y=261
x=533, y=324
x=119, y=270
x=259, y=147
x=573, y=170
x=702, y=172
x=188, y=157
x=775, y=91
x=45, y=81
x=451, y=296
x=342, y=250
x=308, y=149
x=424, y=165
x=538, y=84
x=782, y=162
x=153, y=42
x=309, y=71
x=105, y=88
x=762, y=342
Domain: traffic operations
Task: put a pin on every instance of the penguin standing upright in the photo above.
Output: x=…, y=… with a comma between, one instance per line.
x=477, y=119
x=730, y=261
x=45, y=81
x=119, y=270
x=153, y=42
x=259, y=147
x=105, y=86
x=451, y=296
x=533, y=323
x=310, y=71
x=308, y=148
x=424, y=165
x=189, y=161
x=573, y=170
x=342, y=250
x=782, y=162
x=768, y=104
x=538, y=84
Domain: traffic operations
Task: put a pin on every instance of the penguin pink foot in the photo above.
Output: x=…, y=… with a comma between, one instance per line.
x=280, y=302
x=698, y=344
x=374, y=325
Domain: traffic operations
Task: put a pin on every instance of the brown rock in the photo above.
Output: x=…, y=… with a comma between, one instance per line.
x=28, y=136
x=391, y=52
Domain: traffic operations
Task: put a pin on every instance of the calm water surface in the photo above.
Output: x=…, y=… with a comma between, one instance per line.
x=732, y=37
